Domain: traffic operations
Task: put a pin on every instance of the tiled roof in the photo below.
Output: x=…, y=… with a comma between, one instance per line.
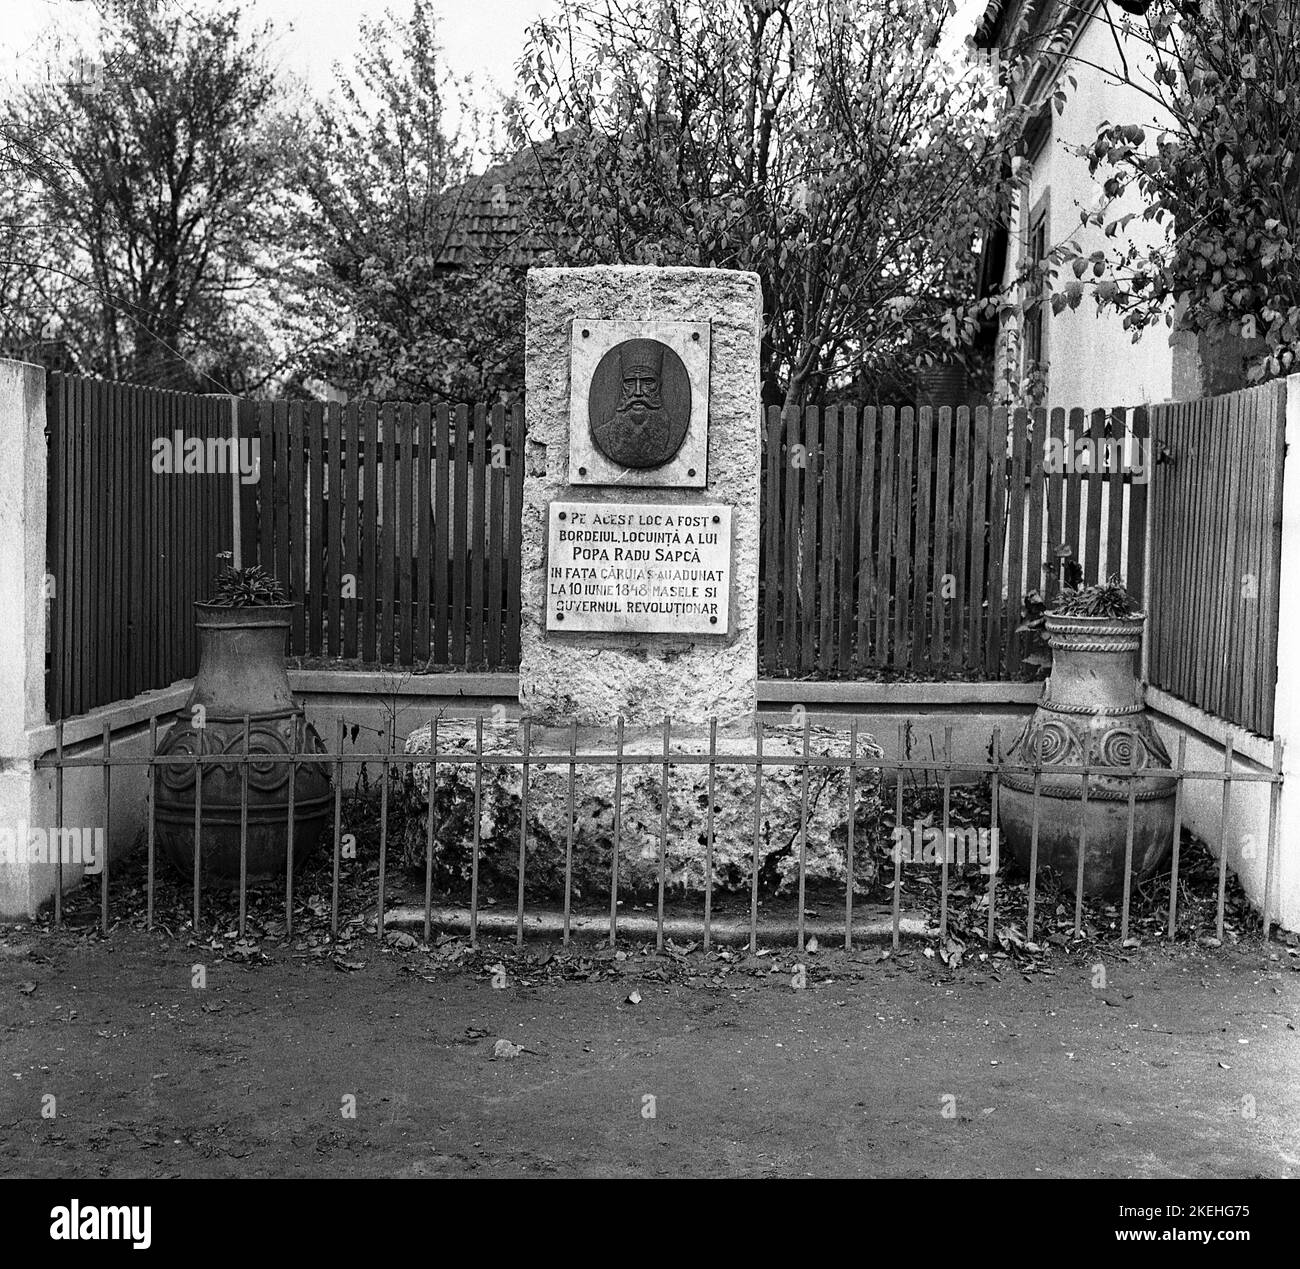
x=491, y=225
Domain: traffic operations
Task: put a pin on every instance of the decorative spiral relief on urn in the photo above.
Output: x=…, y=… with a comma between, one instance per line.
x=189, y=742
x=1053, y=742
x=1121, y=748
x=273, y=739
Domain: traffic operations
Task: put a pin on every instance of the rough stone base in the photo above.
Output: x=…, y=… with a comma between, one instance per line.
x=640, y=829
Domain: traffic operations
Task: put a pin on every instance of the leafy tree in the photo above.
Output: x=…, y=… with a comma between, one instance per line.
x=847, y=151
x=1219, y=171
x=416, y=312
x=142, y=205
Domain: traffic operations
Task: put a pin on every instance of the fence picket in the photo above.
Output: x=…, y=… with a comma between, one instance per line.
x=939, y=574
x=1115, y=485
x=1140, y=431
x=981, y=482
x=791, y=481
x=496, y=540
x=478, y=537
x=1015, y=535
x=866, y=539
x=771, y=545
x=828, y=547
x=344, y=519
x=846, y=553
x=885, y=535
x=998, y=470
x=959, y=548
x=904, y=518
x=921, y=566
x=514, y=589
x=807, y=589
x=405, y=511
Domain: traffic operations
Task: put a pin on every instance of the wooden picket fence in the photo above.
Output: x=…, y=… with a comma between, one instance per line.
x=396, y=524
x=895, y=542
x=1216, y=548
x=905, y=540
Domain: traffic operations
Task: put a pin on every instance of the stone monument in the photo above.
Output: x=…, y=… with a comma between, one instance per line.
x=640, y=515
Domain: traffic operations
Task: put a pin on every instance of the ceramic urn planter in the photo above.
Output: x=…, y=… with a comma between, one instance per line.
x=241, y=671
x=1092, y=712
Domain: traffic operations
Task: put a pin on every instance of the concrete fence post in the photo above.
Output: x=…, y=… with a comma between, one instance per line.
x=1286, y=702
x=24, y=884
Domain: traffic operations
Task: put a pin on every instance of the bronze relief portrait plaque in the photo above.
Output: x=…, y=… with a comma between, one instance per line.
x=639, y=403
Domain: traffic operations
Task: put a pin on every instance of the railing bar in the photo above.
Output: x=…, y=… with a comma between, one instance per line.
x=618, y=836
x=849, y=843
x=1128, y=842
x=58, y=818
x=288, y=847
x=523, y=834
x=947, y=835
x=429, y=821
x=108, y=833
x=663, y=835
x=390, y=744
x=477, y=843
x=198, y=836
x=338, y=830
x=1274, y=796
x=803, y=830
x=1178, y=835
x=708, y=836
x=1229, y=753
x=898, y=847
x=151, y=803
x=243, y=829
x=758, y=831
x=1035, y=811
x=994, y=859
x=568, y=841
x=1085, y=782
x=815, y=761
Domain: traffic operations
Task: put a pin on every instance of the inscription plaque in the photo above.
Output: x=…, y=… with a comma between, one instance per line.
x=652, y=568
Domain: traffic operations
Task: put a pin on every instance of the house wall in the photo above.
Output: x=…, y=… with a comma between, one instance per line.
x=1092, y=360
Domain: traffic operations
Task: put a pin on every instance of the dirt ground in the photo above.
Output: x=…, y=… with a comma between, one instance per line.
x=1182, y=1064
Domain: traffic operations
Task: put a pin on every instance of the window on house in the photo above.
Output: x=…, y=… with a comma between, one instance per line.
x=1036, y=249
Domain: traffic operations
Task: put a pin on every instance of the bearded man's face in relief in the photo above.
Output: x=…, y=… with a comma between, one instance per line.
x=642, y=399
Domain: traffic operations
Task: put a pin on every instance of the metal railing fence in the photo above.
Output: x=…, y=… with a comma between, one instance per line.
x=859, y=765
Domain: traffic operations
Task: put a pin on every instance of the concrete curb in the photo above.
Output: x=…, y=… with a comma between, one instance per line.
x=830, y=934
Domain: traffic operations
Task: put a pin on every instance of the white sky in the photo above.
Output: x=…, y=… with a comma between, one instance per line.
x=482, y=37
